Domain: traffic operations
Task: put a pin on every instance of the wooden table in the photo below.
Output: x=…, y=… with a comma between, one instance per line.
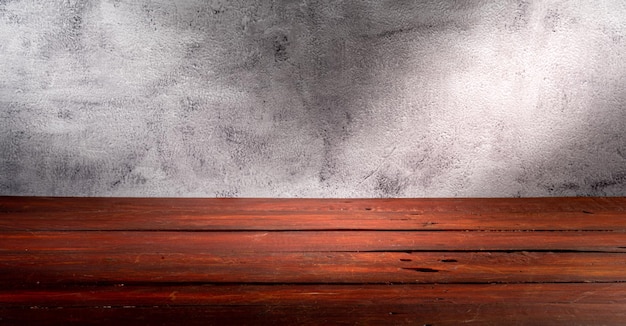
x=552, y=261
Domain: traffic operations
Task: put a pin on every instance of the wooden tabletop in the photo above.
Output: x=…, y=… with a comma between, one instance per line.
x=530, y=261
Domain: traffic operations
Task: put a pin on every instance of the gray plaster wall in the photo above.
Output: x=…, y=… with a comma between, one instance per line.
x=312, y=98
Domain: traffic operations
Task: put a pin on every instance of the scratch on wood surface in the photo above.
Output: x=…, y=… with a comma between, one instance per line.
x=476, y=314
x=587, y=294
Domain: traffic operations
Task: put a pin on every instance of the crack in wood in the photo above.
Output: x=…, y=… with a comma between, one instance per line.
x=421, y=269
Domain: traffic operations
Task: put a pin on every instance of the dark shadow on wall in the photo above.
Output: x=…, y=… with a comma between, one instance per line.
x=342, y=69
x=297, y=87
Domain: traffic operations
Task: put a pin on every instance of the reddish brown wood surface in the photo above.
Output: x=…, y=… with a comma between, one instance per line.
x=527, y=261
x=119, y=295
x=25, y=213
x=312, y=267
x=267, y=241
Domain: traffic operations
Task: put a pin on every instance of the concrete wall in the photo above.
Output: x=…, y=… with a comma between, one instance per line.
x=313, y=98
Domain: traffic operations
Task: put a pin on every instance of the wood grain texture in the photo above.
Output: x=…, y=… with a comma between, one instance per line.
x=550, y=261
x=268, y=241
x=26, y=213
x=120, y=295
x=311, y=267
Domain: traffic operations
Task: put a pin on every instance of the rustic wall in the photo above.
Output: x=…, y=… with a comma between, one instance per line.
x=313, y=98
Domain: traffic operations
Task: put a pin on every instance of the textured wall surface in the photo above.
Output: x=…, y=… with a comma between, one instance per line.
x=313, y=98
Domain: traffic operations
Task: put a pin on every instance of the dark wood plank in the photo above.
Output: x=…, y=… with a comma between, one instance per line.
x=192, y=243
x=28, y=213
x=320, y=314
x=69, y=267
x=302, y=294
x=532, y=304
